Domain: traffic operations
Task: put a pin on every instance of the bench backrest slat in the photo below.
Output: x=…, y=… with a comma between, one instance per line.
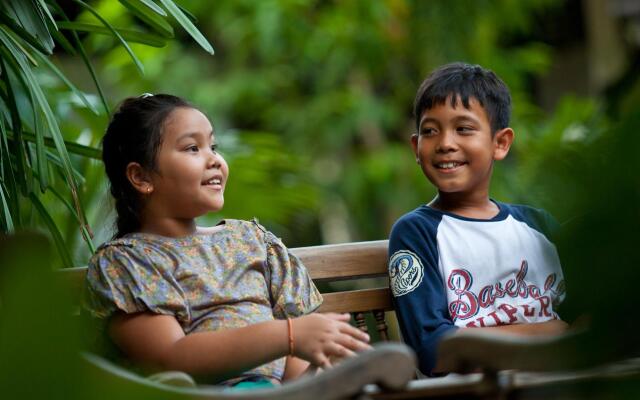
x=334, y=262
x=363, y=300
x=327, y=263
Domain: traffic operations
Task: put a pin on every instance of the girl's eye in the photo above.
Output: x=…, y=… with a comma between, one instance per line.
x=214, y=148
x=192, y=149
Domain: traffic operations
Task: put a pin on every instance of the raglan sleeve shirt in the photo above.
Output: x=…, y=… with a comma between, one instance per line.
x=417, y=286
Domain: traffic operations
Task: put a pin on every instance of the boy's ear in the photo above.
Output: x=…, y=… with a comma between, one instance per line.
x=502, y=141
x=414, y=146
x=139, y=178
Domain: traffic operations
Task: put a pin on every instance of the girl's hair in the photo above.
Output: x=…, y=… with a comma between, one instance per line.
x=134, y=135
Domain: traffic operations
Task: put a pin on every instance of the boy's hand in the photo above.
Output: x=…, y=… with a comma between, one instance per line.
x=323, y=338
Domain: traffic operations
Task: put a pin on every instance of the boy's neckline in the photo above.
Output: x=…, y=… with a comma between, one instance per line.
x=501, y=215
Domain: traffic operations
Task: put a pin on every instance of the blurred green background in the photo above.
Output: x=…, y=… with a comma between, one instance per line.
x=311, y=103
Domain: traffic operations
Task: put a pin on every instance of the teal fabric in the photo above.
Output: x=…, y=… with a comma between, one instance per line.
x=250, y=385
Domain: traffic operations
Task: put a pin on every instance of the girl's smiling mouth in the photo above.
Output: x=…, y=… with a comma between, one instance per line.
x=213, y=183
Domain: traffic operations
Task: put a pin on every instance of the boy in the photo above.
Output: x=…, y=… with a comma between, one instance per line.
x=465, y=260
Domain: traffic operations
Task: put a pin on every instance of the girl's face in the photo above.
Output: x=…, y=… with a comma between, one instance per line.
x=190, y=177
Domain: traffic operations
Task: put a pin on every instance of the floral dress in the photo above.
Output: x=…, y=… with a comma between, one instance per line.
x=236, y=276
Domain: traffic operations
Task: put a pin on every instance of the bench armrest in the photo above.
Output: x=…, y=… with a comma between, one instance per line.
x=389, y=365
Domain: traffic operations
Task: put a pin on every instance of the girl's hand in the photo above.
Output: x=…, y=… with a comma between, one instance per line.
x=321, y=338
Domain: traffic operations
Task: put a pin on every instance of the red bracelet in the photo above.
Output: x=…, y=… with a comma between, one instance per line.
x=290, y=329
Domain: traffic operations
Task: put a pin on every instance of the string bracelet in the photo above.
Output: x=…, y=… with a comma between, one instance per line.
x=290, y=330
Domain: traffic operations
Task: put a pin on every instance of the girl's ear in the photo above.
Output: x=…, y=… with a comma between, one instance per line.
x=139, y=178
x=502, y=141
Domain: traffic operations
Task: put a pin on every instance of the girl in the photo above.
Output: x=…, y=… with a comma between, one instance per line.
x=222, y=303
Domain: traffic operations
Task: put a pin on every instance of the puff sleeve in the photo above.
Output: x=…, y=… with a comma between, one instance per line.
x=128, y=279
x=293, y=292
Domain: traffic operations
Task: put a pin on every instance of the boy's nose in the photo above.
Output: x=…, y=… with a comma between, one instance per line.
x=447, y=143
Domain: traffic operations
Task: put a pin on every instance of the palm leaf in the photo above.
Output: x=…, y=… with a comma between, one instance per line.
x=72, y=147
x=40, y=159
x=153, y=6
x=30, y=22
x=187, y=25
x=8, y=177
x=18, y=146
x=6, y=212
x=68, y=83
x=85, y=59
x=152, y=15
x=45, y=10
x=87, y=235
x=55, y=160
x=137, y=62
x=53, y=229
x=128, y=34
x=23, y=69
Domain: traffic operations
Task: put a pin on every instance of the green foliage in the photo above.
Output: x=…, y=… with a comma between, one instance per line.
x=335, y=82
x=34, y=155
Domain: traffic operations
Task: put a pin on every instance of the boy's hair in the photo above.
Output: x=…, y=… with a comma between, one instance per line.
x=460, y=82
x=134, y=134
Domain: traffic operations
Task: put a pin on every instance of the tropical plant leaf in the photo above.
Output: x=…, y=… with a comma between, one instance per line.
x=72, y=147
x=18, y=146
x=32, y=22
x=153, y=6
x=87, y=235
x=6, y=212
x=60, y=168
x=188, y=14
x=124, y=43
x=45, y=10
x=128, y=34
x=154, y=19
x=21, y=47
x=87, y=63
x=68, y=83
x=40, y=159
x=184, y=21
x=8, y=176
x=58, y=37
x=53, y=229
x=23, y=69
x=26, y=35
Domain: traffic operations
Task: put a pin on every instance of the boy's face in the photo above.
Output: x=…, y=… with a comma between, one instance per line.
x=456, y=150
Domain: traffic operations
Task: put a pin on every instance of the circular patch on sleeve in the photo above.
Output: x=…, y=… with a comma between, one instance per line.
x=405, y=272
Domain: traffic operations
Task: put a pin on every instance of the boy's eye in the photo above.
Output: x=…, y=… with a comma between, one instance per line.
x=214, y=148
x=193, y=148
x=465, y=129
x=427, y=131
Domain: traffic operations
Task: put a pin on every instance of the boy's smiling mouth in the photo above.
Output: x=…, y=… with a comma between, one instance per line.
x=449, y=165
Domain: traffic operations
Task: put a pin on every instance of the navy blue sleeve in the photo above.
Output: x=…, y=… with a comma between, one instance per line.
x=417, y=286
x=536, y=218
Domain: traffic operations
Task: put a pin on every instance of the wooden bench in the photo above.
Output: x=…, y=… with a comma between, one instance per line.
x=545, y=362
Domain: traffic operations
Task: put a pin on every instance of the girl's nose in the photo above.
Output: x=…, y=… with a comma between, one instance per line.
x=215, y=159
